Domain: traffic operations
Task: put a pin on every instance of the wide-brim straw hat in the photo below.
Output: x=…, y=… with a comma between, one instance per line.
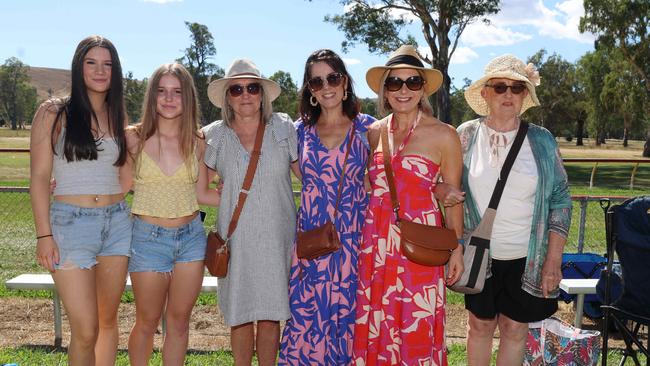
x=504, y=67
x=241, y=69
x=405, y=57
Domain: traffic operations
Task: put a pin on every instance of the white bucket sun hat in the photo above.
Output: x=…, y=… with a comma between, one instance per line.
x=505, y=67
x=241, y=69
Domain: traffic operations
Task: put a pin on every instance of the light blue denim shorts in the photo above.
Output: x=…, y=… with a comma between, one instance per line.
x=157, y=248
x=82, y=234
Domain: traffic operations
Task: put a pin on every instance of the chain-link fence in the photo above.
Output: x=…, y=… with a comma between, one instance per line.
x=17, y=238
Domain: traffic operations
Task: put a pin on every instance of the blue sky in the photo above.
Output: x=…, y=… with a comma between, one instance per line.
x=276, y=34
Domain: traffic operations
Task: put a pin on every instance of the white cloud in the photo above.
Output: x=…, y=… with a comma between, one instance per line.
x=162, y=1
x=463, y=55
x=518, y=19
x=480, y=34
x=351, y=61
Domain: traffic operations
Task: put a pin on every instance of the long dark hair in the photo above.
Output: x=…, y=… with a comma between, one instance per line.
x=309, y=113
x=79, y=142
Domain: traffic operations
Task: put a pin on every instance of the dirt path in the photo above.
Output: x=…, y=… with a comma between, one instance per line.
x=26, y=321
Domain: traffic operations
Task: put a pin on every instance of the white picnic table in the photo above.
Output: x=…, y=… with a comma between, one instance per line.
x=579, y=287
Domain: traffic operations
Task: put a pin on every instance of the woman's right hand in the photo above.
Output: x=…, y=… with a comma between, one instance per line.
x=47, y=253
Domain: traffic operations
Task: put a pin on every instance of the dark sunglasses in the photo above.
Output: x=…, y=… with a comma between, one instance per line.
x=502, y=88
x=238, y=89
x=414, y=83
x=334, y=79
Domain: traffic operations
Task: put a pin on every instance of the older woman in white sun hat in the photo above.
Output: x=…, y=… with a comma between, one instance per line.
x=533, y=218
x=254, y=292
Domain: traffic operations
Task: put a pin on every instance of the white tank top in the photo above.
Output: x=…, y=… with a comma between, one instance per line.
x=87, y=176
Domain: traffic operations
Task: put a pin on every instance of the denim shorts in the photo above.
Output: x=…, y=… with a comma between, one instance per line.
x=157, y=248
x=82, y=234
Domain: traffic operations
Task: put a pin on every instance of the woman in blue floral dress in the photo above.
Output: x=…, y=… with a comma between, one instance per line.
x=323, y=290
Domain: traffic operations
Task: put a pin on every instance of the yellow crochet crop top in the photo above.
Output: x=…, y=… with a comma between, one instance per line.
x=159, y=195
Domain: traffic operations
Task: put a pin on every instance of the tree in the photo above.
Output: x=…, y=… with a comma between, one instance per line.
x=460, y=110
x=134, y=90
x=376, y=23
x=558, y=94
x=17, y=97
x=592, y=70
x=368, y=106
x=623, y=24
x=287, y=102
x=623, y=95
x=197, y=61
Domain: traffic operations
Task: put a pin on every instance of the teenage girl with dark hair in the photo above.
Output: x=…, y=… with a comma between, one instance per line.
x=84, y=236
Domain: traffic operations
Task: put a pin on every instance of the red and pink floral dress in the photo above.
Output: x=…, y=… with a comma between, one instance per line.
x=400, y=318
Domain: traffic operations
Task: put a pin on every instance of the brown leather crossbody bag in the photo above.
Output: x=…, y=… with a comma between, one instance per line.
x=217, y=252
x=324, y=239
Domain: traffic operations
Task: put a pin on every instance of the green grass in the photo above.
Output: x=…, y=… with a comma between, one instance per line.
x=50, y=356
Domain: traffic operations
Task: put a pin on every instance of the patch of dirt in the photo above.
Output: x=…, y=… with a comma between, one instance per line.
x=26, y=321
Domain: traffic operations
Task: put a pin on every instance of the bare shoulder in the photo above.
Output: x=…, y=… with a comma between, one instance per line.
x=374, y=131
x=437, y=127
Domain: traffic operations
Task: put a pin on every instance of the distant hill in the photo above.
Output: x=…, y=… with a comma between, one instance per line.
x=50, y=82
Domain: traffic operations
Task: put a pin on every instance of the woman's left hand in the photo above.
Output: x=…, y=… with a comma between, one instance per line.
x=551, y=274
x=455, y=267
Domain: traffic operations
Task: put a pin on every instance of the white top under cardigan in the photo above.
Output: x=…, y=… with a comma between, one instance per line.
x=513, y=221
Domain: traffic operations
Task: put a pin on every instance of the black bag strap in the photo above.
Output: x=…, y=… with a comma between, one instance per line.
x=507, y=165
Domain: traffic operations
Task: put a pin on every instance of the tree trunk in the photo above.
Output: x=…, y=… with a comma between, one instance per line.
x=14, y=124
x=646, y=147
x=580, y=126
x=625, y=137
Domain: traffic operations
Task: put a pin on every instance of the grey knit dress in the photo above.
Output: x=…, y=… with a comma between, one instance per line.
x=256, y=287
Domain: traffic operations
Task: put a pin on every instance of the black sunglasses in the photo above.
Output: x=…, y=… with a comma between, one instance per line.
x=414, y=83
x=334, y=79
x=238, y=89
x=501, y=88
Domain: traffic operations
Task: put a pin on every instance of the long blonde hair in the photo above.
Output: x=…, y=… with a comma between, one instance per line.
x=189, y=117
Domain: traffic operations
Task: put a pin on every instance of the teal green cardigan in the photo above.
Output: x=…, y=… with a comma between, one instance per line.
x=552, y=211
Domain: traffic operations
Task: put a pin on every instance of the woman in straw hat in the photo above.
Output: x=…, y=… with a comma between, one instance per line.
x=323, y=290
x=401, y=304
x=533, y=217
x=254, y=292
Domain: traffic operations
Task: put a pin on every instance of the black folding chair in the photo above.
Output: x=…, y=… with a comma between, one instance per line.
x=628, y=235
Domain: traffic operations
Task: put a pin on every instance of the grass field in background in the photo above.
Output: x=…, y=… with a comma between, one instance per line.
x=17, y=234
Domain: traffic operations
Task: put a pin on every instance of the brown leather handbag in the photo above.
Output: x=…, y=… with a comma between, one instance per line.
x=323, y=240
x=423, y=244
x=217, y=252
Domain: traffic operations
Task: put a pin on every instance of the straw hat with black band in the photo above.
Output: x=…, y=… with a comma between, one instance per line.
x=405, y=57
x=504, y=67
x=241, y=69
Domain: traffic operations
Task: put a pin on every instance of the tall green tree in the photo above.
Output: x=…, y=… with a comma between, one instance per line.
x=622, y=24
x=17, y=97
x=196, y=59
x=623, y=95
x=558, y=94
x=287, y=102
x=377, y=24
x=134, y=90
x=592, y=69
x=368, y=106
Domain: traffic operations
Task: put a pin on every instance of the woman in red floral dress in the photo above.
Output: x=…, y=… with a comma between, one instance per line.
x=400, y=304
